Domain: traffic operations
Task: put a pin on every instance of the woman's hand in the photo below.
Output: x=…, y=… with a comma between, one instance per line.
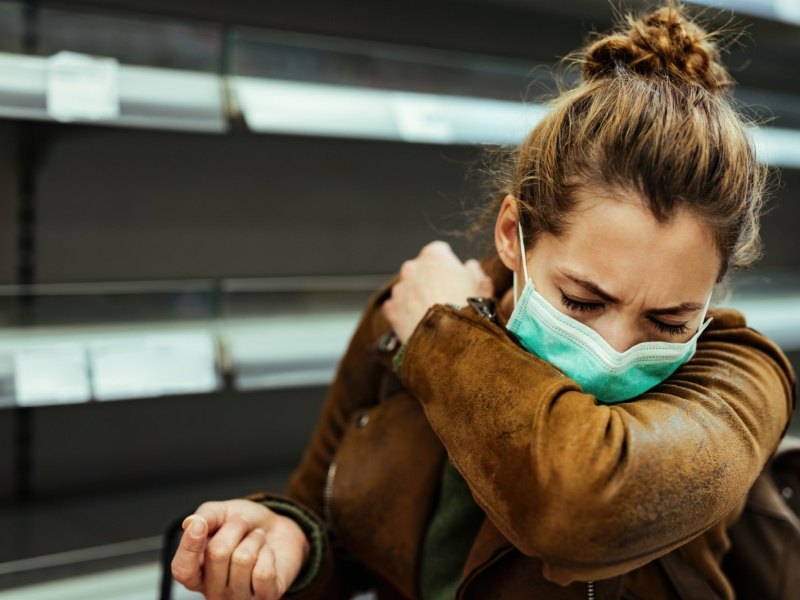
x=435, y=276
x=239, y=549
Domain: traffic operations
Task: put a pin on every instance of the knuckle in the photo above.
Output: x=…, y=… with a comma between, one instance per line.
x=407, y=268
x=264, y=574
x=217, y=552
x=436, y=246
x=206, y=507
x=243, y=558
x=241, y=522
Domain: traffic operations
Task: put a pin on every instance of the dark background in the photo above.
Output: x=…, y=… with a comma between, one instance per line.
x=116, y=205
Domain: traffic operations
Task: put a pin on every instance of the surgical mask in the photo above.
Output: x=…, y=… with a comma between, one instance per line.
x=583, y=355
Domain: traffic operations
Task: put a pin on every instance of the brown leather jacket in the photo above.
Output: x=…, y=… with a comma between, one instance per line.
x=572, y=490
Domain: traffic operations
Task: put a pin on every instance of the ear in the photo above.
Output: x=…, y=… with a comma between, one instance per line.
x=506, y=238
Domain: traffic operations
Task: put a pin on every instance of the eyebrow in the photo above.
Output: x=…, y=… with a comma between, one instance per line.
x=673, y=310
x=598, y=291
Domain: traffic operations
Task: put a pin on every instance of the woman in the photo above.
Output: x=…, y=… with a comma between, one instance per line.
x=585, y=427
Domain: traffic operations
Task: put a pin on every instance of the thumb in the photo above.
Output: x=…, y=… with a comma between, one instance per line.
x=196, y=526
x=213, y=513
x=188, y=561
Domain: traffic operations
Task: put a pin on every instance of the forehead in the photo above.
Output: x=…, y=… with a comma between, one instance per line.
x=618, y=244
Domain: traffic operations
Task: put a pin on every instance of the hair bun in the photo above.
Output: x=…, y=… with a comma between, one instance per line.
x=664, y=42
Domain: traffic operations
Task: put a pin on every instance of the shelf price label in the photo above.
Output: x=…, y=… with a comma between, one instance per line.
x=51, y=374
x=157, y=364
x=421, y=118
x=82, y=87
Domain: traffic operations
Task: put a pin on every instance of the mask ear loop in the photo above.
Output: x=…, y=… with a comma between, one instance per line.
x=514, y=277
x=705, y=321
x=522, y=251
x=524, y=262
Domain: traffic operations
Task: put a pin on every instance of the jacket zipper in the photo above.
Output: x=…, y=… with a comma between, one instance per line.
x=327, y=493
x=481, y=569
x=590, y=592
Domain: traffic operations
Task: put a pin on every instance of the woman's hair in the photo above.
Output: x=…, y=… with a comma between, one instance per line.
x=652, y=115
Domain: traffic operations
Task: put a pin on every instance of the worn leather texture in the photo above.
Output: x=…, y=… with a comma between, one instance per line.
x=573, y=490
x=764, y=563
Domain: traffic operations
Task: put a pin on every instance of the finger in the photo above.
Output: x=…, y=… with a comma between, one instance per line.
x=266, y=583
x=290, y=548
x=388, y=310
x=486, y=288
x=437, y=248
x=407, y=269
x=243, y=560
x=186, y=565
x=474, y=269
x=218, y=555
x=213, y=512
x=483, y=283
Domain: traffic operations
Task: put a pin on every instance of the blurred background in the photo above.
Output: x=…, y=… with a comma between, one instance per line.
x=196, y=199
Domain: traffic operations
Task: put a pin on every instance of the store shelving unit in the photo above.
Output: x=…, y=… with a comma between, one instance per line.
x=207, y=243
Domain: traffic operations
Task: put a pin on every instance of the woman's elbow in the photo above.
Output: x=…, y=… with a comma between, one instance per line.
x=589, y=539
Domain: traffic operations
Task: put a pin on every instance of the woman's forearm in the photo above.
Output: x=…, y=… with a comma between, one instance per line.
x=596, y=490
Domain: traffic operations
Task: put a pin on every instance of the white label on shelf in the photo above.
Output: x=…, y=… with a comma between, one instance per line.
x=421, y=118
x=289, y=351
x=314, y=108
x=153, y=365
x=51, y=374
x=788, y=10
x=82, y=87
x=6, y=379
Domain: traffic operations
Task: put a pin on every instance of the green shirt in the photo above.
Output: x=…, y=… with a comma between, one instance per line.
x=450, y=535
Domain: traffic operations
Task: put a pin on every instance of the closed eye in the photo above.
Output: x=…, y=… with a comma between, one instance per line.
x=583, y=306
x=670, y=329
x=578, y=305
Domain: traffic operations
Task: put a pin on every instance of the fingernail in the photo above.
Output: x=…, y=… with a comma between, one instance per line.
x=198, y=526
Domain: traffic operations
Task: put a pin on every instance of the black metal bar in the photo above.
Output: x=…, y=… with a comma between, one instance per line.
x=172, y=539
x=26, y=266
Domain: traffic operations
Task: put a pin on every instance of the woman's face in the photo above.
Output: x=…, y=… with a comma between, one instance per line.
x=618, y=270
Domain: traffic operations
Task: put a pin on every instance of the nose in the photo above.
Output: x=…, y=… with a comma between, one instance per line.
x=619, y=334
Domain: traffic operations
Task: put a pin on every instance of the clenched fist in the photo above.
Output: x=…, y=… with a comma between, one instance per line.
x=435, y=276
x=239, y=550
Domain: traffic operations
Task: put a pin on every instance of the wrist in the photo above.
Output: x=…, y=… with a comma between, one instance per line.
x=311, y=528
x=306, y=547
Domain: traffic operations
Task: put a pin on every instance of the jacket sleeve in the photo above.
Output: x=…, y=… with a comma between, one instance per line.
x=596, y=490
x=330, y=573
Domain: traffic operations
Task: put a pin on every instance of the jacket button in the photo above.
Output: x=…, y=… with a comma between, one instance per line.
x=362, y=420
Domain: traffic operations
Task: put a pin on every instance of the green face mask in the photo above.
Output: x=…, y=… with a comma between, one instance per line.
x=583, y=355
